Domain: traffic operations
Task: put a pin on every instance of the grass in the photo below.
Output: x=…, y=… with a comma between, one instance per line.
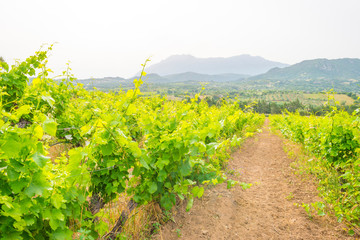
x=323, y=97
x=305, y=98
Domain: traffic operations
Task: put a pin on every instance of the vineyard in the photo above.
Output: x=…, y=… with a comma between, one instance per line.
x=334, y=143
x=149, y=148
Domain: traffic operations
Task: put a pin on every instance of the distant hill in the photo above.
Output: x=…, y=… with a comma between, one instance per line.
x=318, y=74
x=344, y=68
x=242, y=64
x=310, y=75
x=152, y=78
x=102, y=83
x=197, y=77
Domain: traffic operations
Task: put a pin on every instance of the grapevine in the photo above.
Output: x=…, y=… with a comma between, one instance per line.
x=149, y=147
x=334, y=142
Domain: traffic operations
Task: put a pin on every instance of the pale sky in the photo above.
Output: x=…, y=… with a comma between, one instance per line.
x=114, y=37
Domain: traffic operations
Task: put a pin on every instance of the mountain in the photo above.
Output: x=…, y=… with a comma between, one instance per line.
x=197, y=77
x=102, y=83
x=242, y=64
x=310, y=75
x=190, y=77
x=344, y=68
x=152, y=78
x=318, y=74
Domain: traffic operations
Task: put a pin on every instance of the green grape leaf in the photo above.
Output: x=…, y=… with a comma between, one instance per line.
x=131, y=109
x=18, y=186
x=61, y=234
x=107, y=149
x=57, y=214
x=23, y=110
x=49, y=100
x=50, y=127
x=102, y=227
x=56, y=200
x=134, y=147
x=29, y=220
x=185, y=168
x=200, y=192
x=19, y=225
x=189, y=204
x=167, y=201
x=14, y=212
x=38, y=132
x=37, y=186
x=18, y=165
x=4, y=65
x=197, y=191
x=12, y=173
x=162, y=175
x=75, y=157
x=40, y=159
x=7, y=201
x=231, y=183
x=54, y=223
x=86, y=129
x=162, y=162
x=245, y=185
x=12, y=236
x=153, y=187
x=144, y=163
x=11, y=148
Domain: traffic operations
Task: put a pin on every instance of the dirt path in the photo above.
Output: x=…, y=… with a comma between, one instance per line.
x=265, y=211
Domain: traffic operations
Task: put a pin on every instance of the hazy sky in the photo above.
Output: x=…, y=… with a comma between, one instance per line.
x=114, y=37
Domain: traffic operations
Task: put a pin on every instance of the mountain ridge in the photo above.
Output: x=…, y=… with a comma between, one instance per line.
x=316, y=74
x=320, y=74
x=240, y=64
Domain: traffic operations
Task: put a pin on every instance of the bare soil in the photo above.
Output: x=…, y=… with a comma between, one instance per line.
x=265, y=211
